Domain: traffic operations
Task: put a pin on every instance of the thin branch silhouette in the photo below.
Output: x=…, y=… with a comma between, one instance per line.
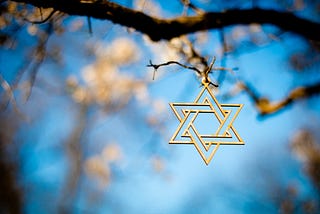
x=44, y=20
x=156, y=66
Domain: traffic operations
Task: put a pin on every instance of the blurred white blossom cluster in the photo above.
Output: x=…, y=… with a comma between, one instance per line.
x=305, y=146
x=148, y=6
x=104, y=84
x=98, y=166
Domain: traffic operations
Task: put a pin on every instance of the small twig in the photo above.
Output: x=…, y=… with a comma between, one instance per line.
x=205, y=78
x=154, y=74
x=89, y=25
x=210, y=66
x=173, y=62
x=225, y=69
x=188, y=4
x=203, y=74
x=43, y=20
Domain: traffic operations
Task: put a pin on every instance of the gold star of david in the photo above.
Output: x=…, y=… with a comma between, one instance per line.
x=187, y=132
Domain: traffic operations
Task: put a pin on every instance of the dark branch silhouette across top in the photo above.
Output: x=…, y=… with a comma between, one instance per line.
x=157, y=28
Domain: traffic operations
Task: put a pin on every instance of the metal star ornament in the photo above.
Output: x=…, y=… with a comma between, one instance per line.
x=206, y=143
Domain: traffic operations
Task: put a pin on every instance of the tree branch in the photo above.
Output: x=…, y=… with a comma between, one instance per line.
x=157, y=28
x=266, y=107
x=43, y=20
x=173, y=62
x=204, y=74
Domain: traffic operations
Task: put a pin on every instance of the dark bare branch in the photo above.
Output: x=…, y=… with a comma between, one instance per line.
x=203, y=74
x=173, y=62
x=157, y=28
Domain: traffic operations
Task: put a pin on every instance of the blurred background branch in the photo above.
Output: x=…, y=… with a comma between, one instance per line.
x=265, y=106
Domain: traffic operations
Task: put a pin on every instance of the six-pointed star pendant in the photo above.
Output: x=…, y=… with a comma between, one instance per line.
x=206, y=144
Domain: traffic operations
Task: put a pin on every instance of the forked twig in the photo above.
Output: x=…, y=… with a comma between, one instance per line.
x=173, y=62
x=203, y=74
x=169, y=63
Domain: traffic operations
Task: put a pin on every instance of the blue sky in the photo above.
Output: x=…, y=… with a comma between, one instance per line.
x=238, y=179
